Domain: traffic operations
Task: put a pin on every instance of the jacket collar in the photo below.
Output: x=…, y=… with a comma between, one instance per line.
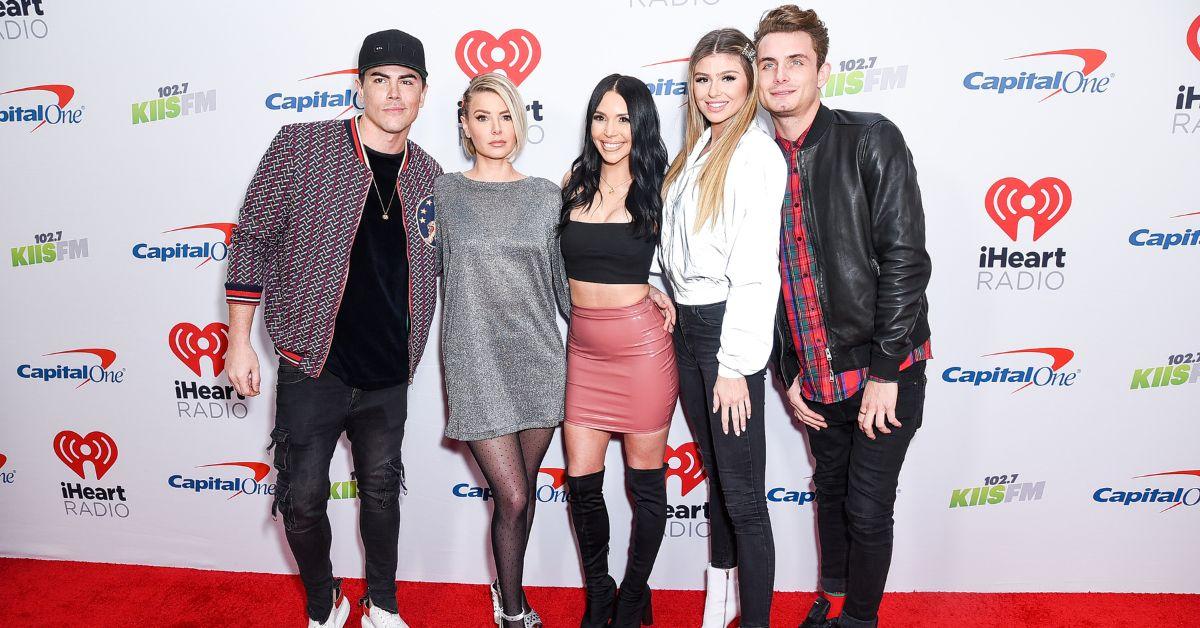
x=360, y=151
x=819, y=127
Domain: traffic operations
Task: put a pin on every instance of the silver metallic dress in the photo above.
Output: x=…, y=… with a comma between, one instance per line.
x=503, y=275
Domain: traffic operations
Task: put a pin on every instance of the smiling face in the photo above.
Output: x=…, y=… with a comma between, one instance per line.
x=489, y=125
x=392, y=96
x=789, y=81
x=720, y=87
x=611, y=130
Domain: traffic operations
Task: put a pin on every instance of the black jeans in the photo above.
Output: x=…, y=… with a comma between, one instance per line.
x=856, y=481
x=735, y=465
x=310, y=416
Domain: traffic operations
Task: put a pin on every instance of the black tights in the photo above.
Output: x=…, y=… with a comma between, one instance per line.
x=510, y=465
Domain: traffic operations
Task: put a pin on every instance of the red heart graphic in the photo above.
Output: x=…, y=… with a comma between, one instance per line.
x=514, y=54
x=690, y=470
x=1193, y=38
x=3, y=460
x=1049, y=200
x=184, y=341
x=101, y=451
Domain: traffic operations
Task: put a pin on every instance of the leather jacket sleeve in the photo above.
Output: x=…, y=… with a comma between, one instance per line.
x=898, y=239
x=783, y=353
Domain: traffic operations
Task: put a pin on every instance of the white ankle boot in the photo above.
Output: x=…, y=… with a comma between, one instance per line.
x=721, y=599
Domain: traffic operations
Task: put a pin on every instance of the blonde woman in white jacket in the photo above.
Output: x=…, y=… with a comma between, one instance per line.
x=720, y=252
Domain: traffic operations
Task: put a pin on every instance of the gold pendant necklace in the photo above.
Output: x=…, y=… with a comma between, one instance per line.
x=611, y=188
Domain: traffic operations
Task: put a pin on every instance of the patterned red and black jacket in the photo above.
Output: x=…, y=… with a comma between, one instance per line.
x=292, y=242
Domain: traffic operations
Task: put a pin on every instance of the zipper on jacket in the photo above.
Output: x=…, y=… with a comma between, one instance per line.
x=813, y=237
x=346, y=274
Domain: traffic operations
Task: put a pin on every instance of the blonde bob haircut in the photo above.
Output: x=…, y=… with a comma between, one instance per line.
x=499, y=85
x=720, y=153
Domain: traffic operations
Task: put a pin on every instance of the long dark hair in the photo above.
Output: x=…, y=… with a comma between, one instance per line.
x=647, y=159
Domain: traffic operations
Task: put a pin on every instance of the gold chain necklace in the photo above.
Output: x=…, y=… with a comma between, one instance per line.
x=611, y=188
x=388, y=208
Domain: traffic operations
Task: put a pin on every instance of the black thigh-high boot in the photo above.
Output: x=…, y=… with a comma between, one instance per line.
x=589, y=517
x=649, y=489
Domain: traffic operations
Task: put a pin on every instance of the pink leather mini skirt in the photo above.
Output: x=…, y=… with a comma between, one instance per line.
x=621, y=373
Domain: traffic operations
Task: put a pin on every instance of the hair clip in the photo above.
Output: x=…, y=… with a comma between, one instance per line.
x=748, y=50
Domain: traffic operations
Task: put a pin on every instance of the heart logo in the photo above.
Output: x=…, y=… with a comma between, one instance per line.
x=514, y=54
x=1193, y=38
x=189, y=343
x=690, y=470
x=74, y=450
x=3, y=460
x=1009, y=200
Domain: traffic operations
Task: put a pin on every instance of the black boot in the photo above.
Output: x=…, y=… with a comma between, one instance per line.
x=589, y=517
x=649, y=489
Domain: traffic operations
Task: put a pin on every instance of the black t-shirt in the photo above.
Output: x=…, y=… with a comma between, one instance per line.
x=370, y=339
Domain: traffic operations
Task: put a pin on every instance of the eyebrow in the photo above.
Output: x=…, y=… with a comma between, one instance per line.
x=477, y=110
x=388, y=76
x=718, y=73
x=798, y=55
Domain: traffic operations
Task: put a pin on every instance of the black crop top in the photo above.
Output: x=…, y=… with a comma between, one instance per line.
x=605, y=252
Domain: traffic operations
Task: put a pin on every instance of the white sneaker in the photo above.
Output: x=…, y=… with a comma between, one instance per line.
x=721, y=598
x=375, y=617
x=338, y=615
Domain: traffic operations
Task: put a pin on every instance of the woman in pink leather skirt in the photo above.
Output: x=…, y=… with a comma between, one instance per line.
x=621, y=375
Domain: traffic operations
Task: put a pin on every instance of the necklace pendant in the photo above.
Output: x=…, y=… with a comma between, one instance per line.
x=385, y=216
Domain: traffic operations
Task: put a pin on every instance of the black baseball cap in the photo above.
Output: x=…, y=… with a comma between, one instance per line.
x=392, y=47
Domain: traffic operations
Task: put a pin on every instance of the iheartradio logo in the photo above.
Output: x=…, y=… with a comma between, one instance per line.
x=97, y=448
x=514, y=54
x=1010, y=200
x=191, y=344
x=683, y=462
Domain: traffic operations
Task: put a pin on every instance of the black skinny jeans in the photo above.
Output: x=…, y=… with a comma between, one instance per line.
x=740, y=526
x=856, y=480
x=310, y=416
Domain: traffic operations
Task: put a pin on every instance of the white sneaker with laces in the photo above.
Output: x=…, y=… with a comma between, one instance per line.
x=375, y=617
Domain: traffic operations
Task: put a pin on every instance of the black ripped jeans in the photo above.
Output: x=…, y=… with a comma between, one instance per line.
x=310, y=416
x=740, y=526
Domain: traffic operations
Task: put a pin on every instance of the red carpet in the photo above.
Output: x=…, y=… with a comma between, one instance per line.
x=55, y=593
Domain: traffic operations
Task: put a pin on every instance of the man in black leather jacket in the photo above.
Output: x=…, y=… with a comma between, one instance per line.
x=852, y=334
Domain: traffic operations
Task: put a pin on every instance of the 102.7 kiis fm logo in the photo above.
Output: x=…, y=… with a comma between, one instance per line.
x=1180, y=369
x=862, y=76
x=998, y=490
x=1011, y=203
x=48, y=247
x=174, y=101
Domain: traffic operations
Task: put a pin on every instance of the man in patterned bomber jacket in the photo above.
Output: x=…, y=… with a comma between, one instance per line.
x=336, y=235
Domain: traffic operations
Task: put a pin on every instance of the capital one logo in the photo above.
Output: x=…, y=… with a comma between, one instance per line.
x=1079, y=81
x=56, y=113
x=1030, y=375
x=97, y=448
x=683, y=462
x=514, y=54
x=1174, y=496
x=205, y=252
x=192, y=344
x=1010, y=200
x=346, y=99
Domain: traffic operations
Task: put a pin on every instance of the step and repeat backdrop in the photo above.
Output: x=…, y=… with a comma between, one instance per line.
x=1057, y=148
